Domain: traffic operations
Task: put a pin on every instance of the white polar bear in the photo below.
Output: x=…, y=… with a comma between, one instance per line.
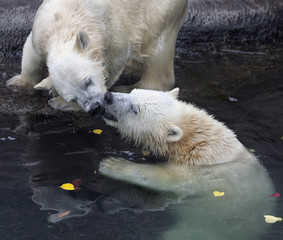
x=203, y=155
x=86, y=45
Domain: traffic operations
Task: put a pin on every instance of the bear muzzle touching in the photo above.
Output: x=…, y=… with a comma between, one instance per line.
x=105, y=109
x=108, y=98
x=95, y=109
x=98, y=108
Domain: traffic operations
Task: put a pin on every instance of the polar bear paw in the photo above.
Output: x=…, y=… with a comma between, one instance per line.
x=114, y=167
x=46, y=85
x=59, y=103
x=18, y=83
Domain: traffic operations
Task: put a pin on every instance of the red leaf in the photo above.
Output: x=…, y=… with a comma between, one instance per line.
x=77, y=184
x=275, y=195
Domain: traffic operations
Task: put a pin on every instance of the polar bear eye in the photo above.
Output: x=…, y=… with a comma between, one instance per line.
x=87, y=82
x=135, y=108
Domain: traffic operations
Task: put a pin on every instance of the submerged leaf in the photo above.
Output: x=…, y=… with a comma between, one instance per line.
x=97, y=131
x=61, y=215
x=275, y=195
x=272, y=219
x=68, y=186
x=77, y=184
x=218, y=194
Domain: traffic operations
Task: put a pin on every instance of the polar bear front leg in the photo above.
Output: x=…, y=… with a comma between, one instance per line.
x=33, y=68
x=156, y=177
x=158, y=66
x=46, y=85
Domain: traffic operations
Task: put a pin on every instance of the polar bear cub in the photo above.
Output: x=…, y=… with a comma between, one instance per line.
x=179, y=131
x=86, y=44
x=204, y=158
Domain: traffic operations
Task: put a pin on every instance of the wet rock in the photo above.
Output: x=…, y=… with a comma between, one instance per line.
x=208, y=21
x=16, y=17
x=233, y=21
x=4, y=75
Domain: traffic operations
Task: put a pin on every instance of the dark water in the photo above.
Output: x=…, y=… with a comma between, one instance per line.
x=39, y=152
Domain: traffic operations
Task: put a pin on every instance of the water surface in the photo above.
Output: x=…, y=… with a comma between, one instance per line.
x=41, y=149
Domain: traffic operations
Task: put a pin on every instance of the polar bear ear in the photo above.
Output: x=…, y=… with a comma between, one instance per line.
x=174, y=93
x=82, y=40
x=174, y=134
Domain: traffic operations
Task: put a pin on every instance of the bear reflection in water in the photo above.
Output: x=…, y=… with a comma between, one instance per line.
x=203, y=156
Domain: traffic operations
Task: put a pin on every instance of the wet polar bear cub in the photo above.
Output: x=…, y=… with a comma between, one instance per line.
x=85, y=44
x=203, y=155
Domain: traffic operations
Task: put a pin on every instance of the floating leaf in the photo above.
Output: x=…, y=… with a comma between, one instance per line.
x=281, y=138
x=252, y=150
x=218, y=194
x=145, y=153
x=275, y=195
x=97, y=131
x=61, y=215
x=95, y=172
x=68, y=186
x=272, y=219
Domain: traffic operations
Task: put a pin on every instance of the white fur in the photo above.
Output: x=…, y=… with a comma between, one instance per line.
x=204, y=156
x=174, y=129
x=77, y=39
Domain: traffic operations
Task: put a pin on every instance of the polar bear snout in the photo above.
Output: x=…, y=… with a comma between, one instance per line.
x=108, y=98
x=96, y=108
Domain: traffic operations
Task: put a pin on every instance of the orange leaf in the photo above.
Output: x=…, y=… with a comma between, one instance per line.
x=61, y=215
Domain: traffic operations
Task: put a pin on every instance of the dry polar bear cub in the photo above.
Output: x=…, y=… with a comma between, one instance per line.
x=203, y=155
x=86, y=44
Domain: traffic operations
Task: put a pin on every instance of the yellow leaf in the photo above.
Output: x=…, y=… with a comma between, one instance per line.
x=272, y=219
x=97, y=131
x=252, y=150
x=218, y=194
x=68, y=186
x=281, y=138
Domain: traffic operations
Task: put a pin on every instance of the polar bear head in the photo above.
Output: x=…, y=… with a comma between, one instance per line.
x=76, y=76
x=147, y=117
x=168, y=127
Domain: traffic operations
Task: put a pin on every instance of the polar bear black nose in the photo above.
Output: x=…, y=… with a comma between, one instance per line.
x=95, y=109
x=108, y=97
